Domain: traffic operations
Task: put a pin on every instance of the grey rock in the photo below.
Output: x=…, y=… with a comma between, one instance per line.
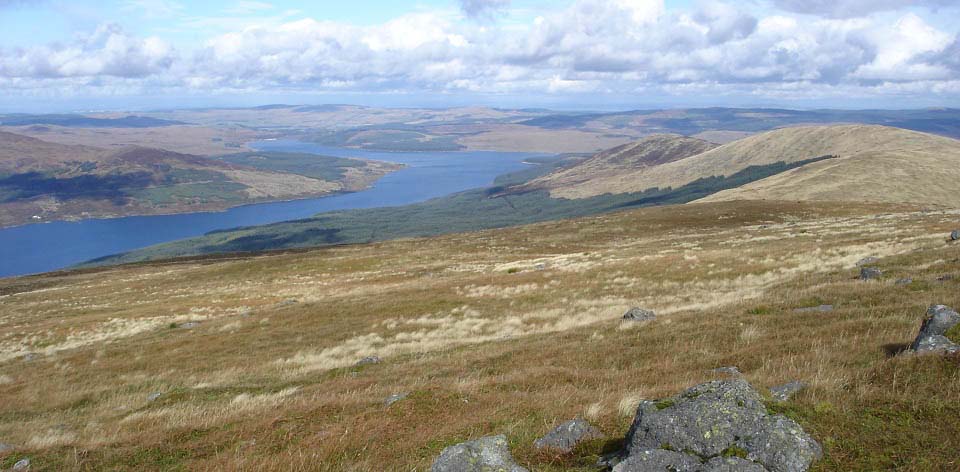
x=28, y=357
x=815, y=309
x=189, y=325
x=489, y=454
x=732, y=464
x=5, y=448
x=22, y=465
x=395, y=398
x=870, y=273
x=368, y=361
x=904, y=281
x=540, y=266
x=936, y=343
x=659, y=460
x=567, y=436
x=955, y=235
x=939, y=320
x=707, y=419
x=867, y=261
x=610, y=460
x=154, y=396
x=786, y=391
x=728, y=370
x=639, y=314
x=287, y=302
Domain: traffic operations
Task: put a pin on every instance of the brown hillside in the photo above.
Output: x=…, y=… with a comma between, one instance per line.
x=923, y=166
x=629, y=158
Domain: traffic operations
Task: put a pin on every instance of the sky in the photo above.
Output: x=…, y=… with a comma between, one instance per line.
x=73, y=55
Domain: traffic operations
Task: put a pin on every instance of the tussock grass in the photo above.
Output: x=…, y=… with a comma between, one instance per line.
x=267, y=379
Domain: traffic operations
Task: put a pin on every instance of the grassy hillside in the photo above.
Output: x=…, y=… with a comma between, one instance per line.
x=248, y=362
x=934, y=161
x=495, y=207
x=42, y=181
x=629, y=158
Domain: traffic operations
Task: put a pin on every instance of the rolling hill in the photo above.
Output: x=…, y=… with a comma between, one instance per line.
x=867, y=163
x=648, y=152
x=42, y=181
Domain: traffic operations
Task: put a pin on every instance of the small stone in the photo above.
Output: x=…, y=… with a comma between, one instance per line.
x=567, y=436
x=815, y=309
x=395, y=398
x=28, y=357
x=189, y=325
x=782, y=393
x=728, y=370
x=369, y=360
x=955, y=235
x=153, y=396
x=22, y=465
x=540, y=266
x=489, y=454
x=288, y=302
x=939, y=320
x=867, y=261
x=904, y=281
x=639, y=314
x=870, y=273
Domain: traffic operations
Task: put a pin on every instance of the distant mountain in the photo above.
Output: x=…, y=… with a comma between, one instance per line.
x=41, y=181
x=82, y=121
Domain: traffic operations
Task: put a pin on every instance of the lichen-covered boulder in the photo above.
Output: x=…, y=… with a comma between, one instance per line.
x=639, y=314
x=659, y=460
x=567, y=436
x=731, y=464
x=939, y=320
x=489, y=454
x=712, y=419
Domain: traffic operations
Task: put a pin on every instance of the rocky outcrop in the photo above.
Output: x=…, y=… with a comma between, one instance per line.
x=639, y=314
x=718, y=419
x=782, y=393
x=369, y=360
x=489, y=454
x=867, y=261
x=814, y=309
x=931, y=338
x=395, y=398
x=567, y=436
x=870, y=273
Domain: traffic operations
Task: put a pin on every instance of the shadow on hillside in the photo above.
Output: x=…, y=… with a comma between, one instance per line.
x=893, y=349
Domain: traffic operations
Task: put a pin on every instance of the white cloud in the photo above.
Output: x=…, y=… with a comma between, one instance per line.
x=855, y=8
x=590, y=46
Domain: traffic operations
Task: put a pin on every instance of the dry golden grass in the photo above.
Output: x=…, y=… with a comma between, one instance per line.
x=509, y=331
x=875, y=163
x=186, y=139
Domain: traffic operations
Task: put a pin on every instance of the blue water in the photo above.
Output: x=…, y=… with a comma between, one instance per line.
x=44, y=247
